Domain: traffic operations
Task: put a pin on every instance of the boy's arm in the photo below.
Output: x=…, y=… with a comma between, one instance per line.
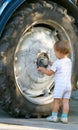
x=45, y=71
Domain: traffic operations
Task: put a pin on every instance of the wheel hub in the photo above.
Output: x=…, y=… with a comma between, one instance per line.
x=42, y=60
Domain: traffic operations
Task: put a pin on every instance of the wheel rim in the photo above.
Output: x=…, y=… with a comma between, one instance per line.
x=36, y=40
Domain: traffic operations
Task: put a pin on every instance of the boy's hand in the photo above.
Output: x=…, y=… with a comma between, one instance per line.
x=50, y=63
x=41, y=69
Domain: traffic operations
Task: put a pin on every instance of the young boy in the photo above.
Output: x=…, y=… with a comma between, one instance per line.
x=61, y=69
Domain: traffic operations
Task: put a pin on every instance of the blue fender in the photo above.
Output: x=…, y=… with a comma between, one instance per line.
x=9, y=6
x=3, y=5
x=6, y=10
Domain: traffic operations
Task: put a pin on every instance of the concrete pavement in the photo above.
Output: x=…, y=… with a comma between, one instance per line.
x=40, y=126
x=35, y=124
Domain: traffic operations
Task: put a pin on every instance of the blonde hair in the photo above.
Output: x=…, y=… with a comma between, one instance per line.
x=62, y=46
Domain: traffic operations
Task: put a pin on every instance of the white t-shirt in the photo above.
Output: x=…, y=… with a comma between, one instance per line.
x=62, y=77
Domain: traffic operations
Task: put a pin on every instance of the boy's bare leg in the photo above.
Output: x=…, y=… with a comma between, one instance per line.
x=65, y=103
x=56, y=105
x=54, y=116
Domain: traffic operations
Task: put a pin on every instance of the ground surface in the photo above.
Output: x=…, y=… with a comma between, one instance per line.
x=9, y=123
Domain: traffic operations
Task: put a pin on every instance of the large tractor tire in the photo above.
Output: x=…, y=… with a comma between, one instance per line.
x=27, y=41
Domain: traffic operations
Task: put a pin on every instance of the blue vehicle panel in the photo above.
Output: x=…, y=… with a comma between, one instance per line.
x=6, y=10
x=4, y=4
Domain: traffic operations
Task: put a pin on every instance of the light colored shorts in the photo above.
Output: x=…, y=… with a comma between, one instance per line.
x=62, y=93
